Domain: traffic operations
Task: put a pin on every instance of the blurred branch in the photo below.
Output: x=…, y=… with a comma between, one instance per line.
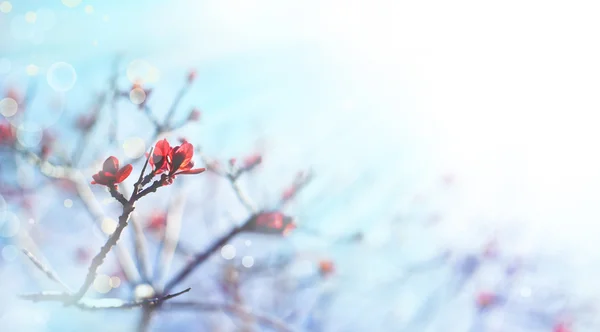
x=49, y=273
x=170, y=239
x=203, y=256
x=232, y=308
x=103, y=304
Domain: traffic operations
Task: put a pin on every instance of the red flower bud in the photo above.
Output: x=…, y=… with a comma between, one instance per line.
x=192, y=76
x=194, y=115
x=326, y=268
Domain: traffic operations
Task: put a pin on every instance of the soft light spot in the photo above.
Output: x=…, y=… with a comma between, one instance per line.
x=228, y=251
x=108, y=200
x=248, y=261
x=68, y=203
x=10, y=252
x=140, y=70
x=134, y=147
x=105, y=18
x=137, y=96
x=102, y=284
x=525, y=292
x=29, y=134
x=30, y=17
x=95, y=43
x=115, y=282
x=143, y=291
x=5, y=7
x=61, y=77
x=248, y=243
x=31, y=221
x=89, y=9
x=32, y=70
x=108, y=226
x=71, y=3
x=8, y=107
x=9, y=225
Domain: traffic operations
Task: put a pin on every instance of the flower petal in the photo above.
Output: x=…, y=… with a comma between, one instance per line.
x=111, y=165
x=124, y=173
x=192, y=171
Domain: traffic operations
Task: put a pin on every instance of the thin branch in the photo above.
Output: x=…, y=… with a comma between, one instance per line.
x=241, y=195
x=203, y=256
x=137, y=186
x=99, y=258
x=184, y=89
x=140, y=247
x=103, y=304
x=231, y=308
x=170, y=239
x=49, y=273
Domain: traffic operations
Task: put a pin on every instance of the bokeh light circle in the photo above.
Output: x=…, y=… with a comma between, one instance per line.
x=134, y=147
x=228, y=251
x=29, y=134
x=9, y=225
x=9, y=253
x=71, y=3
x=8, y=107
x=141, y=71
x=137, y=96
x=61, y=76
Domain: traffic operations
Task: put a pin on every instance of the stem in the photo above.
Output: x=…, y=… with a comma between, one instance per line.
x=99, y=258
x=201, y=257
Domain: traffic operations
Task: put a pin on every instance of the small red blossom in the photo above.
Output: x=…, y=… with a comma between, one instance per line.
x=7, y=134
x=82, y=255
x=273, y=222
x=252, y=161
x=562, y=327
x=326, y=267
x=111, y=174
x=194, y=115
x=158, y=221
x=86, y=121
x=192, y=76
x=486, y=299
x=173, y=160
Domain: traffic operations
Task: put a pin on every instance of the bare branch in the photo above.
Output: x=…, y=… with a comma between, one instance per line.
x=170, y=239
x=231, y=308
x=203, y=256
x=49, y=273
x=102, y=304
x=99, y=258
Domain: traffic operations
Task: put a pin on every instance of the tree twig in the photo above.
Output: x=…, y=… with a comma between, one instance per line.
x=49, y=273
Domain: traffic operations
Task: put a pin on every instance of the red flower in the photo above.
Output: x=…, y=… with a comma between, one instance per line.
x=561, y=327
x=326, y=268
x=7, y=133
x=192, y=76
x=158, y=220
x=111, y=174
x=194, y=115
x=486, y=299
x=173, y=160
x=160, y=156
x=273, y=222
x=252, y=161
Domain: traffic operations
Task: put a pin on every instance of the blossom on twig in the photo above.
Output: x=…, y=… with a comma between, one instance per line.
x=111, y=174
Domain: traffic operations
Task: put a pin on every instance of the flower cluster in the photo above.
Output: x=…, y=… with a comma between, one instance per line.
x=173, y=160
